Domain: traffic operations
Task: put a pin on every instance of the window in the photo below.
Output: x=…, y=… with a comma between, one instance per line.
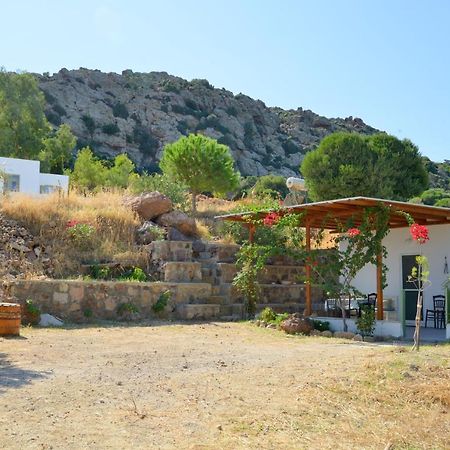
x=12, y=183
x=47, y=188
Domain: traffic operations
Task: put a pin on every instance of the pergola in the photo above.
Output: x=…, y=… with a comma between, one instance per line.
x=333, y=215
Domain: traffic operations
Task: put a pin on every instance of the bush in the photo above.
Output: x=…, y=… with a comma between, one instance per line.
x=59, y=110
x=110, y=128
x=80, y=233
x=321, y=325
x=273, y=185
x=147, y=143
x=127, y=308
x=162, y=301
x=289, y=147
x=89, y=123
x=366, y=322
x=268, y=315
x=120, y=110
x=135, y=274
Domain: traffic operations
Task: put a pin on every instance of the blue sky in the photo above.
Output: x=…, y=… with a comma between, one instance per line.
x=387, y=62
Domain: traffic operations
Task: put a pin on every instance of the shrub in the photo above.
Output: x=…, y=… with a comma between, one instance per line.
x=127, y=308
x=135, y=274
x=232, y=111
x=31, y=313
x=289, y=147
x=366, y=322
x=53, y=118
x=120, y=110
x=80, y=232
x=321, y=325
x=161, y=303
x=273, y=185
x=110, y=128
x=267, y=315
x=89, y=123
x=142, y=136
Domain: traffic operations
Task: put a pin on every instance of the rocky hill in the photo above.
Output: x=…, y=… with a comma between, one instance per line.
x=139, y=113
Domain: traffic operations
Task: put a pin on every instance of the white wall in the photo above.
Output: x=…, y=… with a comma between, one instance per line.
x=398, y=242
x=59, y=181
x=26, y=169
x=30, y=177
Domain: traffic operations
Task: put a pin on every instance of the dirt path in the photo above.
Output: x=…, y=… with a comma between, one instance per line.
x=215, y=385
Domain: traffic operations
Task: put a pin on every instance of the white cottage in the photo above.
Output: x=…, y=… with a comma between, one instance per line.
x=396, y=303
x=23, y=175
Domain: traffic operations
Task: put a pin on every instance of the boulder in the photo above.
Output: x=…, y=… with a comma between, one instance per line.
x=149, y=205
x=174, y=235
x=180, y=221
x=327, y=333
x=295, y=324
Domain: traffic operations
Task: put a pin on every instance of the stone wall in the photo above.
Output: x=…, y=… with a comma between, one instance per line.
x=76, y=300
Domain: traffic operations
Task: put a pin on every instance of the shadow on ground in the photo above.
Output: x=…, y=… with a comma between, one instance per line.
x=12, y=377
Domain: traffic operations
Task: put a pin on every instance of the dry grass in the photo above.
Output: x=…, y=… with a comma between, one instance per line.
x=47, y=217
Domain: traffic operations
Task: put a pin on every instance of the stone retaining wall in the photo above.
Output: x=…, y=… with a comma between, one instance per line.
x=76, y=300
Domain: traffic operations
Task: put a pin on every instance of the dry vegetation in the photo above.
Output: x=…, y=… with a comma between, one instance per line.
x=219, y=385
x=47, y=217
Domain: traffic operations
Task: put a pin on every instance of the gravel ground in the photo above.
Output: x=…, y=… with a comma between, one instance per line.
x=196, y=386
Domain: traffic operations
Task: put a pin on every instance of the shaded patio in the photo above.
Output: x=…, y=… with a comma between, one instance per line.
x=334, y=216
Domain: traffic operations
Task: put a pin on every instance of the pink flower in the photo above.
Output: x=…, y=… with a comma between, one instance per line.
x=419, y=233
x=71, y=223
x=271, y=219
x=353, y=232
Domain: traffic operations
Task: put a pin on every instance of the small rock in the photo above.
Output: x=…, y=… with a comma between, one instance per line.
x=357, y=337
x=327, y=333
x=344, y=335
x=47, y=320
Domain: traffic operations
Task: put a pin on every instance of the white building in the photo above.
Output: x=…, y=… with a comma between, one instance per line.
x=23, y=175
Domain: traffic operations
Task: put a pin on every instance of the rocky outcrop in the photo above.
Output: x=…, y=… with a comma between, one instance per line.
x=139, y=113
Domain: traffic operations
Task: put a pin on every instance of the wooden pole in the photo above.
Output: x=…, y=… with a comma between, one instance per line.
x=251, y=233
x=308, y=309
x=380, y=312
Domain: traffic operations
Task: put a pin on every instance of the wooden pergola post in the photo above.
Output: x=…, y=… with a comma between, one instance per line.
x=251, y=232
x=308, y=309
x=380, y=311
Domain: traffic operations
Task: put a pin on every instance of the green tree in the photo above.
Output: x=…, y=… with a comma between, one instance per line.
x=349, y=164
x=88, y=172
x=23, y=124
x=400, y=169
x=200, y=163
x=342, y=166
x=120, y=173
x=57, y=150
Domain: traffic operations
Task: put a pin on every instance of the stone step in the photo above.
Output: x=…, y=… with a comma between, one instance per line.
x=282, y=307
x=208, y=275
x=218, y=300
x=198, y=312
x=182, y=271
x=235, y=309
x=170, y=251
x=270, y=293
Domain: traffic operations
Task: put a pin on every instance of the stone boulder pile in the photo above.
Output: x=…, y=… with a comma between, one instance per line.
x=159, y=219
x=22, y=255
x=297, y=324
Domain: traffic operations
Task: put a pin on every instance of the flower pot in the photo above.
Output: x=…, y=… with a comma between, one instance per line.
x=9, y=319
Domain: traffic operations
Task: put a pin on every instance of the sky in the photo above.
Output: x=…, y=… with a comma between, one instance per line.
x=385, y=61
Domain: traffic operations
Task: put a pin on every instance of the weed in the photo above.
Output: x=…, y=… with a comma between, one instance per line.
x=161, y=303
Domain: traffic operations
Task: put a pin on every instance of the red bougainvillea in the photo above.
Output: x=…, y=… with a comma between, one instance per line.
x=419, y=233
x=353, y=232
x=271, y=219
x=71, y=223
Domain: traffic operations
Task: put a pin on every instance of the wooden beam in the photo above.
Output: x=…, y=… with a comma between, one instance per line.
x=380, y=311
x=308, y=309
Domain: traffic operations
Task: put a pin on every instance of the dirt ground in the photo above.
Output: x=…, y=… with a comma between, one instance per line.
x=217, y=385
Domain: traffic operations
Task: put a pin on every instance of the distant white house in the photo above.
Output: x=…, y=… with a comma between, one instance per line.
x=23, y=175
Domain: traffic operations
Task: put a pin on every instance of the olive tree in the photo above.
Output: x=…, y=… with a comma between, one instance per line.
x=200, y=163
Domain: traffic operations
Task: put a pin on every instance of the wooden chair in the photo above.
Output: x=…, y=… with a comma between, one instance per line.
x=437, y=313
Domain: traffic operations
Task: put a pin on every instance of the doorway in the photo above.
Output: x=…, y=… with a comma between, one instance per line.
x=411, y=291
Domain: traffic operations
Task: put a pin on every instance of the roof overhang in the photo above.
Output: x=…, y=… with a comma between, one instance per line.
x=335, y=214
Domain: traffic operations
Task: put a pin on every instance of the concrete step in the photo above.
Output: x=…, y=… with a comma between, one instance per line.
x=182, y=271
x=198, y=312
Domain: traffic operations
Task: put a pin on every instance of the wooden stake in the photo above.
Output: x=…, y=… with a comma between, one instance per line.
x=380, y=311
